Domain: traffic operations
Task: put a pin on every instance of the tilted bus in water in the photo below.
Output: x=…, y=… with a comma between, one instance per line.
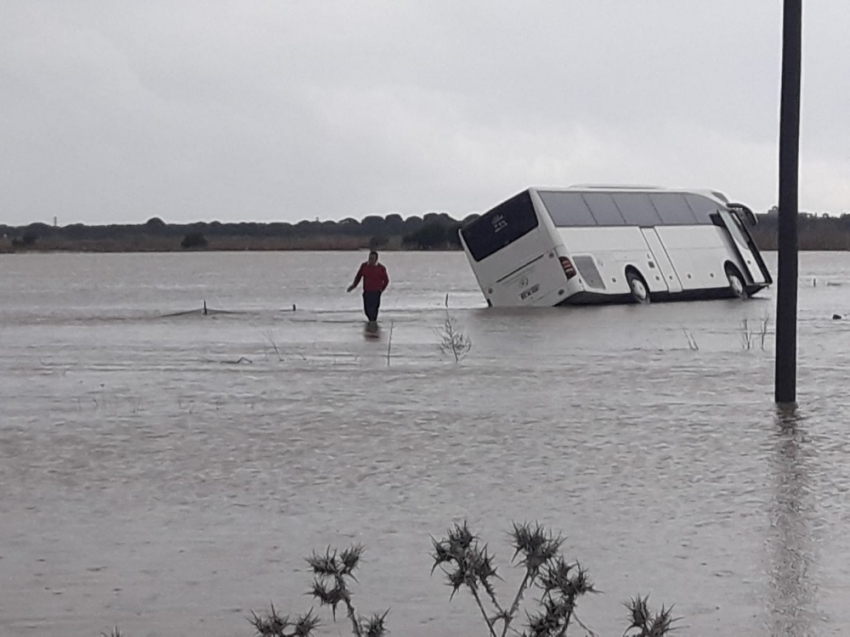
x=598, y=244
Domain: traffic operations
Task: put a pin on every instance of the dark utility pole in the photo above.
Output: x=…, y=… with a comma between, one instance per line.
x=789, y=153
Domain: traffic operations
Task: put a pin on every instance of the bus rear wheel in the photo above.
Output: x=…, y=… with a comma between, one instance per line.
x=736, y=282
x=637, y=287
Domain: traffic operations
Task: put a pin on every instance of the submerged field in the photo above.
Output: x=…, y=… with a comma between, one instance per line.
x=167, y=470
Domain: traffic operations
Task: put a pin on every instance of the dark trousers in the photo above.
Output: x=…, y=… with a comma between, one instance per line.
x=371, y=305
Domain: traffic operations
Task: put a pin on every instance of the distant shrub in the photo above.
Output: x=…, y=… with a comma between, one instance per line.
x=428, y=237
x=155, y=222
x=435, y=234
x=26, y=240
x=378, y=241
x=194, y=240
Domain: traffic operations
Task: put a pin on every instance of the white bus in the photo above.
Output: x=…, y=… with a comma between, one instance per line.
x=597, y=244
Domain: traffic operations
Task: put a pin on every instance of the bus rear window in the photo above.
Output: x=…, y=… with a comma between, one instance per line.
x=500, y=227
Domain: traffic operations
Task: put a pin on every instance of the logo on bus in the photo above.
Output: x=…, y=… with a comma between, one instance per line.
x=499, y=223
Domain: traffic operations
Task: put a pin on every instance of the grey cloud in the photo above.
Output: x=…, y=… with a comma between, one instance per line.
x=273, y=110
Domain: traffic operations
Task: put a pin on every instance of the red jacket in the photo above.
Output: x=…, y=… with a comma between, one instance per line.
x=375, y=278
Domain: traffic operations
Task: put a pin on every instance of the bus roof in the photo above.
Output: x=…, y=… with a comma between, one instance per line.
x=714, y=194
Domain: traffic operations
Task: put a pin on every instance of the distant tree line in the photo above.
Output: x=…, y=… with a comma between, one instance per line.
x=433, y=231
x=815, y=232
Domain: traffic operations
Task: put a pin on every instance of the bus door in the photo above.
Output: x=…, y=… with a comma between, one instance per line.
x=662, y=260
x=746, y=249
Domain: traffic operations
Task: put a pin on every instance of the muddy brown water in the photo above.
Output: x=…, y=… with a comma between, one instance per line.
x=167, y=471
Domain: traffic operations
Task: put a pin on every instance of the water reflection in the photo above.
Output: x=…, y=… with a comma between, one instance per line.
x=790, y=549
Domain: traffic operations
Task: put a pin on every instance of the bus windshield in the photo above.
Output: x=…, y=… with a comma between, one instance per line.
x=500, y=227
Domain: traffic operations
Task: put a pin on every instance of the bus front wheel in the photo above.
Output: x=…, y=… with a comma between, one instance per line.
x=637, y=287
x=736, y=282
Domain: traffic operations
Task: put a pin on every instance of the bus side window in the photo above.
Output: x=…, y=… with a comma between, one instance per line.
x=637, y=209
x=703, y=207
x=604, y=209
x=673, y=209
x=567, y=209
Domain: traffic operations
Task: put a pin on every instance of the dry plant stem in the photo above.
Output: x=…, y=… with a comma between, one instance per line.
x=746, y=335
x=492, y=594
x=483, y=611
x=390, y=343
x=764, y=327
x=454, y=341
x=585, y=628
x=353, y=617
x=527, y=581
x=274, y=346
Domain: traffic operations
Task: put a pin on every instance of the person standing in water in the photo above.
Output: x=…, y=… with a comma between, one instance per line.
x=375, y=281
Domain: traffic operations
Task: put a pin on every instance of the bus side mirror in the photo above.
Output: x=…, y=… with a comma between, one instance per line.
x=747, y=213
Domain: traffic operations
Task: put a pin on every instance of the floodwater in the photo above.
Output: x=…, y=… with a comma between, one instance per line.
x=167, y=471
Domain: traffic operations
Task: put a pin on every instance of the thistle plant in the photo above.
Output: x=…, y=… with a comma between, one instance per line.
x=273, y=625
x=333, y=574
x=644, y=622
x=468, y=564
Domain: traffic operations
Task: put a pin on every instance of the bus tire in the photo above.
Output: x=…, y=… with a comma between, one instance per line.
x=638, y=288
x=736, y=282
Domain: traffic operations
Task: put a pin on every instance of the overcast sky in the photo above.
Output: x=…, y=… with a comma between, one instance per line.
x=292, y=109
